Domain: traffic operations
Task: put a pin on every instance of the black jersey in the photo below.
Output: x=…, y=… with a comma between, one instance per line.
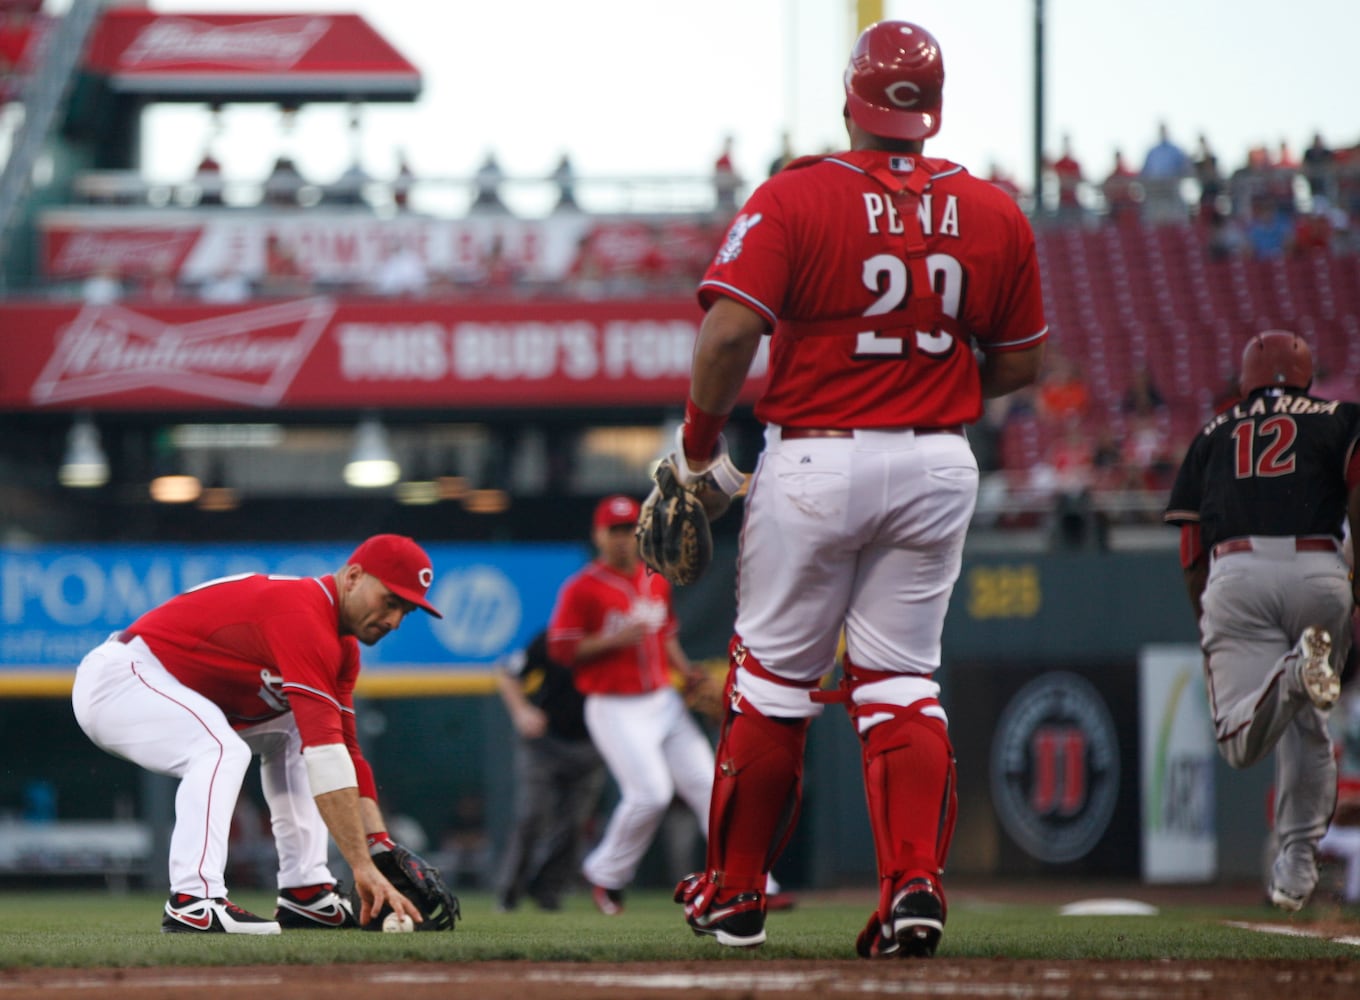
x=1273, y=464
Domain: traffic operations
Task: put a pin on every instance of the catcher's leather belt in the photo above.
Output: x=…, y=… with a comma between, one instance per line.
x=1313, y=543
x=794, y=433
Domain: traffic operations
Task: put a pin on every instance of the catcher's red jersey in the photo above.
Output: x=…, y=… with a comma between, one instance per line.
x=822, y=241
x=259, y=646
x=601, y=599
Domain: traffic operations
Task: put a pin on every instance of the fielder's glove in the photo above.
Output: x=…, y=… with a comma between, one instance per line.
x=674, y=538
x=704, y=694
x=420, y=882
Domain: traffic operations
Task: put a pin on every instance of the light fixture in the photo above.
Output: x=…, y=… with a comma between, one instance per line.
x=486, y=501
x=84, y=466
x=176, y=488
x=372, y=463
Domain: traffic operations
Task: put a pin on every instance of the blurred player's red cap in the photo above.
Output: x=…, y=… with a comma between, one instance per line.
x=616, y=510
x=401, y=565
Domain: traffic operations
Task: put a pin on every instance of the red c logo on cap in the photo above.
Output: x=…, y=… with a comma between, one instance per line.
x=426, y=577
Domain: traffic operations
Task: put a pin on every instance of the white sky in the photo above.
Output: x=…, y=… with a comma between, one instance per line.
x=645, y=88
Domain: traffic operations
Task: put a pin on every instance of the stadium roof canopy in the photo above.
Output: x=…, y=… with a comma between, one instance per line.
x=225, y=58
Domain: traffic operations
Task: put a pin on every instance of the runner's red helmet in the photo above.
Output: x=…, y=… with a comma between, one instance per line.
x=894, y=84
x=1276, y=358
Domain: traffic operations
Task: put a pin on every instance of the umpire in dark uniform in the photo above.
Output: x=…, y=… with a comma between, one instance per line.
x=558, y=777
x=1262, y=499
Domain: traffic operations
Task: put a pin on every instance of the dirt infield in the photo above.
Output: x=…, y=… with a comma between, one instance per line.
x=728, y=980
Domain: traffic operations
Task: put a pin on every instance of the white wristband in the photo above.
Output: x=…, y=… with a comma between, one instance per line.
x=329, y=768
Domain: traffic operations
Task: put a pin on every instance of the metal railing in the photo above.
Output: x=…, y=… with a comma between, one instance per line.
x=43, y=98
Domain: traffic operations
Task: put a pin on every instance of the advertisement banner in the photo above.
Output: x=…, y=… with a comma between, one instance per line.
x=57, y=602
x=327, y=353
x=347, y=248
x=1180, y=836
x=251, y=56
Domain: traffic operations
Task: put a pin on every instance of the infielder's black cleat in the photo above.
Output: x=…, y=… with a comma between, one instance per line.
x=319, y=907
x=914, y=928
x=185, y=914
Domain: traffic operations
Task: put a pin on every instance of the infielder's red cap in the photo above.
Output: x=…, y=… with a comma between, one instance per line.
x=401, y=565
x=616, y=510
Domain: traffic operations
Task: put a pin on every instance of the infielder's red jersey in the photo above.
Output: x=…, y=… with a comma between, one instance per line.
x=822, y=241
x=601, y=599
x=259, y=646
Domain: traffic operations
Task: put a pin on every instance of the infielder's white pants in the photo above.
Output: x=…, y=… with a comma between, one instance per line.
x=129, y=705
x=655, y=750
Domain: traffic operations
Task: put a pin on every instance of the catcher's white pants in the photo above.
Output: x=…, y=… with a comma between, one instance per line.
x=132, y=707
x=863, y=533
x=655, y=750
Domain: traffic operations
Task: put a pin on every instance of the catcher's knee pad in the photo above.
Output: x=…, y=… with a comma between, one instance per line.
x=754, y=688
x=757, y=789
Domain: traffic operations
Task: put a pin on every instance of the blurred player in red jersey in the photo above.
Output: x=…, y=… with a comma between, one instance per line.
x=899, y=292
x=264, y=665
x=615, y=627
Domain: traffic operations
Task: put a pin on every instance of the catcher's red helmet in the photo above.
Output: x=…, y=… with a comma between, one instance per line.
x=895, y=81
x=1276, y=358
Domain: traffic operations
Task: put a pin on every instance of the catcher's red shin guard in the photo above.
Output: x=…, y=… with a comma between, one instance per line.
x=910, y=787
x=757, y=790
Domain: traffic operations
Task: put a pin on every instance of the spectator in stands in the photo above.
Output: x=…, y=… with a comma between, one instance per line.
x=1210, y=179
x=1067, y=172
x=1142, y=397
x=402, y=274
x=726, y=182
x=402, y=183
x=208, y=179
x=229, y=285
x=1071, y=457
x=1317, y=170
x=1148, y=454
x=283, y=274
x=1063, y=394
x=564, y=176
x=1284, y=168
x=284, y=183
x=1165, y=166
x=103, y=286
x=785, y=156
x=1312, y=234
x=1226, y=237
x=1269, y=231
x=488, y=180
x=348, y=189
x=1122, y=192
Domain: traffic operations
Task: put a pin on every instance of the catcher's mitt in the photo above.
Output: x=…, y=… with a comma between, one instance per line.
x=672, y=532
x=704, y=694
x=420, y=882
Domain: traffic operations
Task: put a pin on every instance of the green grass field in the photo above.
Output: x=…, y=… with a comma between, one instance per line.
x=70, y=929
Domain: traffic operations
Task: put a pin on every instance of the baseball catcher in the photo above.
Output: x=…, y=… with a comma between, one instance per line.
x=674, y=537
x=420, y=882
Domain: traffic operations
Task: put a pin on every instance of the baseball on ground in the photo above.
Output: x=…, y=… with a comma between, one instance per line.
x=398, y=923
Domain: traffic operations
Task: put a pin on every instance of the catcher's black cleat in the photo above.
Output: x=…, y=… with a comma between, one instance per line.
x=320, y=907
x=185, y=914
x=914, y=928
x=738, y=922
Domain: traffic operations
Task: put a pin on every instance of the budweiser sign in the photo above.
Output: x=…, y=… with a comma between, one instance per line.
x=131, y=251
x=248, y=357
x=274, y=43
